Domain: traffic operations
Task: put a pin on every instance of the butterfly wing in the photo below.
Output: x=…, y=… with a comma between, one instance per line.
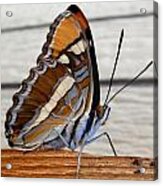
x=61, y=88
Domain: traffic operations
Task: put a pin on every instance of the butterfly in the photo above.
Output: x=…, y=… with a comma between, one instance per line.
x=58, y=104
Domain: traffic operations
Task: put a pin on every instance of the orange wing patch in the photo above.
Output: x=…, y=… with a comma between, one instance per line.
x=65, y=34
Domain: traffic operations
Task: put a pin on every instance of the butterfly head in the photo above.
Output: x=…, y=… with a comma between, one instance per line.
x=103, y=113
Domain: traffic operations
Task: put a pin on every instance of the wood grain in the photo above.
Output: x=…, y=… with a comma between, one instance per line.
x=63, y=164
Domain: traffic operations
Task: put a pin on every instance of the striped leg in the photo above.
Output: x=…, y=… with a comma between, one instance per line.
x=109, y=139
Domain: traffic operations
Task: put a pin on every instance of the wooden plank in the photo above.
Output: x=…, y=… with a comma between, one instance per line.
x=63, y=163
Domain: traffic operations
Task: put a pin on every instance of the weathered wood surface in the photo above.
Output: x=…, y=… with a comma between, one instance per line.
x=62, y=164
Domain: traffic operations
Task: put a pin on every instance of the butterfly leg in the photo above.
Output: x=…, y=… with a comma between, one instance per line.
x=109, y=139
x=62, y=138
x=79, y=159
x=55, y=144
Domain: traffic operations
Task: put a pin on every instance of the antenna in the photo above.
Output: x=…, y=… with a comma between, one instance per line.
x=115, y=65
x=156, y=69
x=129, y=82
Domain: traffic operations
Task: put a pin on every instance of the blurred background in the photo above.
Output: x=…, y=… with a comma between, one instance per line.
x=130, y=123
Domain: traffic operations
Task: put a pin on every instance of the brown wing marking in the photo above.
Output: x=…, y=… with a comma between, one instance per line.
x=67, y=108
x=28, y=102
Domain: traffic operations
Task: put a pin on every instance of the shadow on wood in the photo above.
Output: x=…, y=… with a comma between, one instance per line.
x=63, y=164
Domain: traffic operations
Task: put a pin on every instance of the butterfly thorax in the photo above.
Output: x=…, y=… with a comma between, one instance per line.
x=100, y=118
